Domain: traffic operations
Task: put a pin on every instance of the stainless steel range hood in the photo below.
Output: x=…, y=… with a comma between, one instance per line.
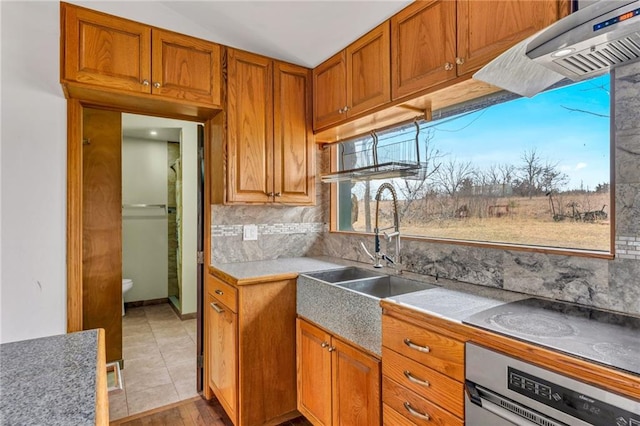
x=582, y=45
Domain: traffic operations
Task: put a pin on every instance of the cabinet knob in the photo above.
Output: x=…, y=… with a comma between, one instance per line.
x=156, y=85
x=270, y=194
x=324, y=344
x=459, y=61
x=346, y=108
x=277, y=194
x=145, y=82
x=448, y=66
x=331, y=348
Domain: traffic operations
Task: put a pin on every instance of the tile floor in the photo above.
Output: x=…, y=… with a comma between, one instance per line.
x=159, y=352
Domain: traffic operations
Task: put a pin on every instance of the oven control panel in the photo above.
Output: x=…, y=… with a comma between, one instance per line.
x=576, y=404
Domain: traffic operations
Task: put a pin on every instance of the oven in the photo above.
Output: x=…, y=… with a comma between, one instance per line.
x=501, y=390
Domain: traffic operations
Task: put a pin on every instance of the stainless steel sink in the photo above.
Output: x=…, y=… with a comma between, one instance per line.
x=344, y=274
x=385, y=286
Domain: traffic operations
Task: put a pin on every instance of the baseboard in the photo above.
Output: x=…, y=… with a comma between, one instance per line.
x=150, y=302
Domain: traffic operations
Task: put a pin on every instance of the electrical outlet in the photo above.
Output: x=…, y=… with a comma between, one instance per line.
x=250, y=232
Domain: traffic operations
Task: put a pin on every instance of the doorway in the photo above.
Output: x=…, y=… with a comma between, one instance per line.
x=160, y=340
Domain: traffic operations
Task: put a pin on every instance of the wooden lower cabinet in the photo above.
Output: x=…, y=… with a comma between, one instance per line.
x=250, y=349
x=423, y=375
x=223, y=331
x=338, y=384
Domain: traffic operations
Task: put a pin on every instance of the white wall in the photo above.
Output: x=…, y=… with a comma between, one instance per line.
x=33, y=161
x=33, y=173
x=144, y=230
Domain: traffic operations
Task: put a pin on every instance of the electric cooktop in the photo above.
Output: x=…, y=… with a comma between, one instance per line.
x=608, y=338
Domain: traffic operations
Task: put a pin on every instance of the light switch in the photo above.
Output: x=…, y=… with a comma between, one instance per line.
x=250, y=232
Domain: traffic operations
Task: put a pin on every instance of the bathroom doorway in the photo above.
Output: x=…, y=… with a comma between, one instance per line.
x=160, y=236
x=160, y=211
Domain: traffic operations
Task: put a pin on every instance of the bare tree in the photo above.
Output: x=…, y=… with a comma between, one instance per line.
x=417, y=188
x=530, y=170
x=452, y=174
x=507, y=173
x=551, y=178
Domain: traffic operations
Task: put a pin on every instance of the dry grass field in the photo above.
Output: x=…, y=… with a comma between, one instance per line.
x=524, y=221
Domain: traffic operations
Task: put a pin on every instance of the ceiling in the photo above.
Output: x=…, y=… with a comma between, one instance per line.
x=304, y=32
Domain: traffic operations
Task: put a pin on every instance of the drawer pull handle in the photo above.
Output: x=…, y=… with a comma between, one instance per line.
x=412, y=345
x=217, y=308
x=415, y=413
x=219, y=292
x=414, y=379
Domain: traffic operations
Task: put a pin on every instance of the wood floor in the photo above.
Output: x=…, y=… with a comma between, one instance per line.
x=192, y=412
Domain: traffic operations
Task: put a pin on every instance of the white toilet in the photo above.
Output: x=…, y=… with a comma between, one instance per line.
x=127, y=284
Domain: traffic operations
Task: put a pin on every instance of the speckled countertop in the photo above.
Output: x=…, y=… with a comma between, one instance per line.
x=256, y=270
x=49, y=381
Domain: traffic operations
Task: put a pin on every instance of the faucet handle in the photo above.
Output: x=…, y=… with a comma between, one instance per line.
x=367, y=251
x=388, y=259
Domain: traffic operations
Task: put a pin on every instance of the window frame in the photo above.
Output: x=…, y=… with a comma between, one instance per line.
x=595, y=254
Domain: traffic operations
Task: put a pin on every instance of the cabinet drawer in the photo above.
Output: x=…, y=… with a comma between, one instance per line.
x=415, y=408
x=225, y=293
x=425, y=382
x=434, y=350
x=391, y=417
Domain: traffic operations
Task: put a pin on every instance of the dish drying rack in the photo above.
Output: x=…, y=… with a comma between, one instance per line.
x=376, y=159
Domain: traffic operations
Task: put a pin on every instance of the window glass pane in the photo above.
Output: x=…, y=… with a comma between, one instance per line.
x=532, y=171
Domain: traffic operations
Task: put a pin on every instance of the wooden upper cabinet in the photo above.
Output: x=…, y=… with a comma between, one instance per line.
x=249, y=127
x=488, y=28
x=423, y=46
x=122, y=56
x=368, y=61
x=105, y=51
x=270, y=144
x=185, y=68
x=330, y=91
x=293, y=155
x=354, y=80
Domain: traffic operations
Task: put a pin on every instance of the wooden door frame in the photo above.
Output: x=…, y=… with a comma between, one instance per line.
x=74, y=197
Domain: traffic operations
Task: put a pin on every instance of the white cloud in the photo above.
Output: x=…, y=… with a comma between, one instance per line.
x=581, y=166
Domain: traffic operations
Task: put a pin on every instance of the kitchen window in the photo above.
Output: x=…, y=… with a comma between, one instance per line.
x=503, y=170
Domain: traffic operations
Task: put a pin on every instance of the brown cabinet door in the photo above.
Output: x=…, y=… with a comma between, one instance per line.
x=185, y=68
x=330, y=91
x=356, y=386
x=368, y=76
x=488, y=28
x=105, y=51
x=249, y=128
x=102, y=226
x=314, y=373
x=294, y=171
x=222, y=354
x=423, y=46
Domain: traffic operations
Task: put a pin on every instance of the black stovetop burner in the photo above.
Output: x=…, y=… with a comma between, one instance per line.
x=605, y=337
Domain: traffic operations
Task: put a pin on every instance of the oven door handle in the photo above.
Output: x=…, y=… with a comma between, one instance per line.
x=478, y=396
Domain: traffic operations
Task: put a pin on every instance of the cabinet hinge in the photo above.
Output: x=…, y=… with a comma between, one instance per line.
x=200, y=361
x=200, y=258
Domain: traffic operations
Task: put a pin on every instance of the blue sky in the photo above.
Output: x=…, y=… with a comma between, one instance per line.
x=577, y=141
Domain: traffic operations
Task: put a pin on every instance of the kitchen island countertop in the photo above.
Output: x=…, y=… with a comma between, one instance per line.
x=54, y=380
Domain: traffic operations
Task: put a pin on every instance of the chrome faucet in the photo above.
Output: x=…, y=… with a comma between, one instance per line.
x=378, y=255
